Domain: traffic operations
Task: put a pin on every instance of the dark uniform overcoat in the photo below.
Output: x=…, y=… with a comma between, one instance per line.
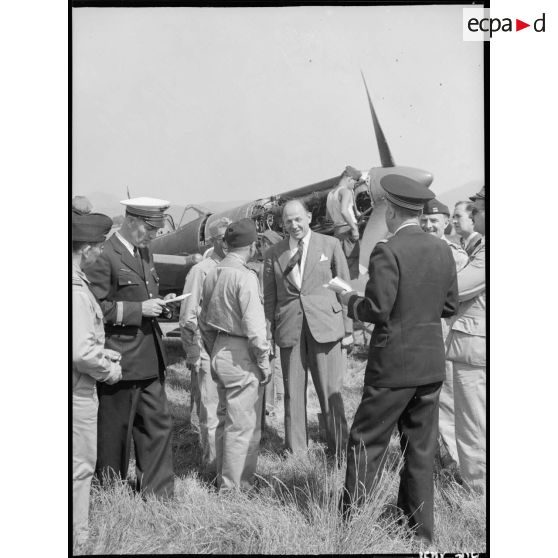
x=412, y=285
x=137, y=406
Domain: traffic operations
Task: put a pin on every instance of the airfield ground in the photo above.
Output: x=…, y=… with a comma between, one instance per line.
x=294, y=507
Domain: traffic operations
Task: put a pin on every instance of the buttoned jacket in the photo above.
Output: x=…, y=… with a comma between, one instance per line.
x=286, y=305
x=412, y=285
x=121, y=283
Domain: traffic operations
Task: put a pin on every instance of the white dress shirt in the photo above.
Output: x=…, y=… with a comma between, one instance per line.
x=297, y=274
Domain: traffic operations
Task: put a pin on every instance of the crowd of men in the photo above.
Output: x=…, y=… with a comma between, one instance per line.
x=258, y=317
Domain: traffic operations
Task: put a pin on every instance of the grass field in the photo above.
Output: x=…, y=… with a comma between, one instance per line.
x=293, y=509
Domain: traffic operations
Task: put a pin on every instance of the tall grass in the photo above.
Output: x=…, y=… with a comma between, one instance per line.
x=293, y=508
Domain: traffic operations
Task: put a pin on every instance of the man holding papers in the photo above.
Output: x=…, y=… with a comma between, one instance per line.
x=126, y=285
x=412, y=285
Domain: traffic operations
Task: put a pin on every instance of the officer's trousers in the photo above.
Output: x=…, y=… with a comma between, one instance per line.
x=469, y=385
x=136, y=409
x=84, y=450
x=415, y=411
x=238, y=433
x=207, y=410
x=447, y=416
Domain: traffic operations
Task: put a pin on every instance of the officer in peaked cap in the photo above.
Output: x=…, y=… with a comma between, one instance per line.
x=412, y=285
x=232, y=324
x=126, y=284
x=90, y=361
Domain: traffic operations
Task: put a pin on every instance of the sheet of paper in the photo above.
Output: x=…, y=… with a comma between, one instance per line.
x=338, y=285
x=177, y=299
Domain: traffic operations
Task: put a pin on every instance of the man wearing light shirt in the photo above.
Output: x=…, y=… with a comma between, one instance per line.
x=203, y=389
x=232, y=325
x=467, y=351
x=307, y=322
x=434, y=220
x=464, y=226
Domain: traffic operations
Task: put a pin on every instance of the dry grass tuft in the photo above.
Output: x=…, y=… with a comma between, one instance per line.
x=293, y=508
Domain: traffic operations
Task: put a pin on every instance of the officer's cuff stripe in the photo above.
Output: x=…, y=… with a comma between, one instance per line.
x=119, y=312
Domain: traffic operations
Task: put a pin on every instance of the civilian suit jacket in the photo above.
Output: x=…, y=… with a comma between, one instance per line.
x=412, y=285
x=285, y=305
x=121, y=285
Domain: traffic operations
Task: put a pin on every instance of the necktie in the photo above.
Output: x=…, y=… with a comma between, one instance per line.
x=296, y=259
x=138, y=257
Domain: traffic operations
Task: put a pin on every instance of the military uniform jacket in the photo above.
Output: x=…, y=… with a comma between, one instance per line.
x=286, y=306
x=121, y=284
x=412, y=285
x=90, y=361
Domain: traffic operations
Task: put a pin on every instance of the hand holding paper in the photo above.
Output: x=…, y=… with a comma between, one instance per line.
x=338, y=285
x=175, y=299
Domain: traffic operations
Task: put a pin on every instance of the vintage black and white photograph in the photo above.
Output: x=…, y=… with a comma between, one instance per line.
x=278, y=286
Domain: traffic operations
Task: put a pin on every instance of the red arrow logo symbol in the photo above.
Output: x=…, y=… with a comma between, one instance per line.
x=519, y=25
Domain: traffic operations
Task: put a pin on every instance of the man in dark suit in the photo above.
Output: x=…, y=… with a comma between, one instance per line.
x=307, y=322
x=412, y=285
x=127, y=287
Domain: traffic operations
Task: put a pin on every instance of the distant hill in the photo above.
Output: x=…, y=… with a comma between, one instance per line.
x=451, y=197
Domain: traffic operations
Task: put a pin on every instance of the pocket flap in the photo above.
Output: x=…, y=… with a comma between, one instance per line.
x=127, y=279
x=471, y=325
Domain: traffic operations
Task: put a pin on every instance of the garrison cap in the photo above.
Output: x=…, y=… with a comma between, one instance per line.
x=434, y=206
x=241, y=233
x=272, y=236
x=90, y=227
x=405, y=192
x=479, y=195
x=351, y=172
x=151, y=210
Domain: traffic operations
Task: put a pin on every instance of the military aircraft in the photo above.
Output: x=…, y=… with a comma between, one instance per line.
x=176, y=251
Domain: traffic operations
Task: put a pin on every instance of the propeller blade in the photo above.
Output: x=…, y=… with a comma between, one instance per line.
x=383, y=148
x=128, y=192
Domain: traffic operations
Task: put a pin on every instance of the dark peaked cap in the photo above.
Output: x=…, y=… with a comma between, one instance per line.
x=434, y=206
x=90, y=227
x=405, y=192
x=241, y=233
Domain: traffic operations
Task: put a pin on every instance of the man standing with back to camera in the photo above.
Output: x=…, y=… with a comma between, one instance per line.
x=232, y=325
x=126, y=285
x=412, y=285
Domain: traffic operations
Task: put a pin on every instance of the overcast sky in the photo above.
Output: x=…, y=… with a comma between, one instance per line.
x=197, y=104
